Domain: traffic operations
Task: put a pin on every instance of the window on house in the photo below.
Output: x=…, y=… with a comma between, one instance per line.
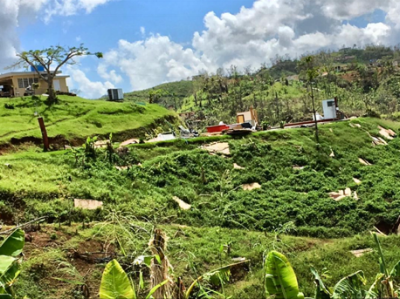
x=25, y=82
x=331, y=103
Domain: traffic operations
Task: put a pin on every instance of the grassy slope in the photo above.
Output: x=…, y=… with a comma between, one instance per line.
x=169, y=169
x=75, y=117
x=41, y=183
x=181, y=89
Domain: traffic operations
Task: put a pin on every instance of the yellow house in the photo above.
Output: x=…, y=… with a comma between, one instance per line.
x=15, y=84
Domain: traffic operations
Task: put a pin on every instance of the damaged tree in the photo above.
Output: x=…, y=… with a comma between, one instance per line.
x=160, y=266
x=54, y=56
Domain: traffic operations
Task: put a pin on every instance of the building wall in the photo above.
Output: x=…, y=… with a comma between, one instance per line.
x=43, y=86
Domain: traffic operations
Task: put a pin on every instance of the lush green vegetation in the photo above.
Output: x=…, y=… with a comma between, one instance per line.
x=295, y=173
x=74, y=118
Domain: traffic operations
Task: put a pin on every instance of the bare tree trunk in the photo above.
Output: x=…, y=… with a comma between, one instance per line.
x=52, y=95
x=160, y=266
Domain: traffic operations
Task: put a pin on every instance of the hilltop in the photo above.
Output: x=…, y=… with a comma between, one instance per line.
x=74, y=119
x=365, y=81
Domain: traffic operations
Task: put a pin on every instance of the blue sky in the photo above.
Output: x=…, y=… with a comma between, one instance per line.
x=150, y=42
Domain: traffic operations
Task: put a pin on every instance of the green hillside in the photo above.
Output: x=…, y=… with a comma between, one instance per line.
x=363, y=80
x=295, y=174
x=74, y=119
x=178, y=90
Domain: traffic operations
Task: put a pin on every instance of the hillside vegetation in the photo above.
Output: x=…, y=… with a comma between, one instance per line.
x=365, y=81
x=74, y=119
x=295, y=175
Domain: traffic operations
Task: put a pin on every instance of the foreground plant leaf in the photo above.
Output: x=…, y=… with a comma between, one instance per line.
x=280, y=280
x=14, y=244
x=115, y=283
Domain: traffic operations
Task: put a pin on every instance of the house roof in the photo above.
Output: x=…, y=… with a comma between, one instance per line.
x=11, y=74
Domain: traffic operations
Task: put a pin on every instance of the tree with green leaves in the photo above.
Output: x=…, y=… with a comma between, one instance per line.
x=51, y=59
x=310, y=70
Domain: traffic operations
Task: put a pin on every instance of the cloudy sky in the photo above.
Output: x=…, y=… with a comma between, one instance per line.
x=148, y=42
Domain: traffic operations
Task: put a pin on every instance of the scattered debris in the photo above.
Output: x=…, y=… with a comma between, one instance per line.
x=396, y=227
x=296, y=167
x=100, y=144
x=361, y=252
x=332, y=155
x=376, y=230
x=357, y=181
x=358, y=125
x=355, y=196
x=129, y=141
x=183, y=205
x=217, y=148
x=378, y=141
x=8, y=165
x=355, y=125
x=239, y=259
x=338, y=196
x=87, y=204
x=249, y=187
x=235, y=166
x=121, y=168
x=331, y=130
x=365, y=162
x=388, y=134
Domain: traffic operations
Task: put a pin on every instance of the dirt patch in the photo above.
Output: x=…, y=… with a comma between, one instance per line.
x=129, y=141
x=361, y=252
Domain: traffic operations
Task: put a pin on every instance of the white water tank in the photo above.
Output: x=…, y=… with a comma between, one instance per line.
x=329, y=107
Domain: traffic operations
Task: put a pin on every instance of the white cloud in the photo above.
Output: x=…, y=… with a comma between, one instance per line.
x=143, y=31
x=154, y=60
x=89, y=89
x=69, y=7
x=253, y=36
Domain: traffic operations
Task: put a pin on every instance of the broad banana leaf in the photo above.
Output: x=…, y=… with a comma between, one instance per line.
x=321, y=292
x=280, y=279
x=9, y=278
x=115, y=283
x=6, y=263
x=350, y=287
x=13, y=245
x=375, y=290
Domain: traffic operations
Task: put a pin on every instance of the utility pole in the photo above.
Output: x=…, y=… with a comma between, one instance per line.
x=314, y=112
x=44, y=134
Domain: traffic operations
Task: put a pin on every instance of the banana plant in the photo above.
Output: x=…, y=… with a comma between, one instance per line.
x=115, y=284
x=280, y=279
x=384, y=281
x=10, y=264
